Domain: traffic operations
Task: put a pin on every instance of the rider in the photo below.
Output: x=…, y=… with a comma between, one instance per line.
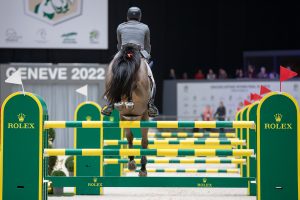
x=135, y=32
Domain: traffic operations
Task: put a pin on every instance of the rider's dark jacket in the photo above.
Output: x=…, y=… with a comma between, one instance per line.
x=134, y=32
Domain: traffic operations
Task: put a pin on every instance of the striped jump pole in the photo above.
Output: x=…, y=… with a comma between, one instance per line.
x=190, y=135
x=192, y=139
x=177, y=142
x=113, y=161
x=148, y=152
x=149, y=124
x=191, y=170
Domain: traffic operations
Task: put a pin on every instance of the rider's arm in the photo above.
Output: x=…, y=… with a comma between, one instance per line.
x=147, y=44
x=119, y=38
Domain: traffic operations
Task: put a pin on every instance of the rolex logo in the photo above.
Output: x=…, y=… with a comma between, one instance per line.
x=278, y=117
x=111, y=119
x=20, y=124
x=95, y=183
x=204, y=183
x=278, y=125
x=88, y=118
x=21, y=117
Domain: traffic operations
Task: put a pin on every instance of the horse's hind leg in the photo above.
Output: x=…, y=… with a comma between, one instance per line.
x=143, y=171
x=131, y=162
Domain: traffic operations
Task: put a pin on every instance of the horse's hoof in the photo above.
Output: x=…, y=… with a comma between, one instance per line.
x=129, y=105
x=119, y=106
x=143, y=173
x=131, y=165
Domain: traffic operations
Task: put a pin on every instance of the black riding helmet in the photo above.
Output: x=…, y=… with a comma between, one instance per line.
x=134, y=13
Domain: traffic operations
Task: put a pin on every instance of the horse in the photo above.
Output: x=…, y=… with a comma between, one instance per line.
x=128, y=88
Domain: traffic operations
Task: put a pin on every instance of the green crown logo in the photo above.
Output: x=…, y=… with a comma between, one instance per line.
x=204, y=180
x=95, y=180
x=88, y=118
x=21, y=117
x=278, y=117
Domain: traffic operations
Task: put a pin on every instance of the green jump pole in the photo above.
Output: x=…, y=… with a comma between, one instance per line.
x=149, y=152
x=238, y=135
x=178, y=142
x=190, y=135
x=196, y=182
x=251, y=143
x=181, y=161
x=189, y=170
x=244, y=137
x=149, y=124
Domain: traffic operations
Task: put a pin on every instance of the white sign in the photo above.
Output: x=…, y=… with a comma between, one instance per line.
x=58, y=73
x=74, y=24
x=192, y=98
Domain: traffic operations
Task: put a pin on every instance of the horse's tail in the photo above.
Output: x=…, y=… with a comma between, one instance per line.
x=124, y=73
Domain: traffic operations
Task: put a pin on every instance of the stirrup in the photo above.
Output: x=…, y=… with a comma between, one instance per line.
x=119, y=106
x=129, y=105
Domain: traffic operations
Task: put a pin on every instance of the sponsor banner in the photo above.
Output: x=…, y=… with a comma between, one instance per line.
x=55, y=72
x=75, y=24
x=194, y=97
x=38, y=75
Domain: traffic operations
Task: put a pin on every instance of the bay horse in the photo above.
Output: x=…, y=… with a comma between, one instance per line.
x=128, y=88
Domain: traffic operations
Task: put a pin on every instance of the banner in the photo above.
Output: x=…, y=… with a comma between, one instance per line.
x=194, y=97
x=46, y=74
x=55, y=73
x=65, y=24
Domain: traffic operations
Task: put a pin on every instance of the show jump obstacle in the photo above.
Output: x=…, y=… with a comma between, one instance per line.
x=23, y=152
x=113, y=138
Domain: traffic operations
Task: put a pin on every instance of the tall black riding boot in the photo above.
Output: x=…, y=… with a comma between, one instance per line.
x=107, y=110
x=152, y=109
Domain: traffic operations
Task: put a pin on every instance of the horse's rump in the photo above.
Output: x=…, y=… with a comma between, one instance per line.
x=127, y=81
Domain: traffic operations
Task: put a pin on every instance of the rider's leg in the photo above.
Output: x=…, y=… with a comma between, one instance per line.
x=107, y=109
x=152, y=109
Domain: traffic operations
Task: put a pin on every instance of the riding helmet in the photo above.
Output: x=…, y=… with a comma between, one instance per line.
x=134, y=13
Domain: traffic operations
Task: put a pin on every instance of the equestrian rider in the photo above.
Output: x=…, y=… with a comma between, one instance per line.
x=135, y=32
